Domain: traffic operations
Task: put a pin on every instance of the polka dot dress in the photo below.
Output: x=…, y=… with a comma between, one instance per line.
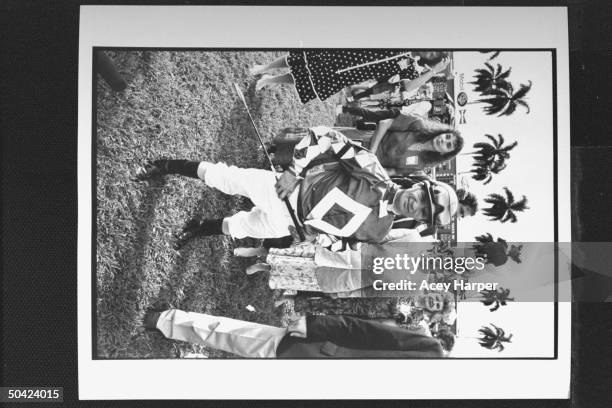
x=322, y=73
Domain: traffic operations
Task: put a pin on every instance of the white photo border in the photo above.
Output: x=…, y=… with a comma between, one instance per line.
x=316, y=27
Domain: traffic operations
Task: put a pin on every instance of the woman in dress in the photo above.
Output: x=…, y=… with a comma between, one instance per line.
x=409, y=143
x=404, y=144
x=319, y=74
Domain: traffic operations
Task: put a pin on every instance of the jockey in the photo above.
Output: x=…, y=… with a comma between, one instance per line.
x=338, y=189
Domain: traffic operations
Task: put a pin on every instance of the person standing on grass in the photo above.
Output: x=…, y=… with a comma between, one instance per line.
x=306, y=337
x=339, y=190
x=319, y=74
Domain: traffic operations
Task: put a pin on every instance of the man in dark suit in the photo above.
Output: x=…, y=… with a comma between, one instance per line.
x=306, y=337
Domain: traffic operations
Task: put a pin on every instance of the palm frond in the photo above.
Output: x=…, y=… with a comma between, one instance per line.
x=487, y=331
x=504, y=75
x=523, y=104
x=498, y=70
x=495, y=214
x=483, y=146
x=510, y=146
x=506, y=87
x=510, y=216
x=511, y=107
x=480, y=73
x=482, y=176
x=515, y=253
x=496, y=105
x=519, y=205
x=497, y=167
x=494, y=198
x=509, y=196
x=498, y=92
x=522, y=92
x=495, y=54
x=494, y=141
x=484, y=238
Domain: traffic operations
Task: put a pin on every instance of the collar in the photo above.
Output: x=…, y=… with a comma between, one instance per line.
x=391, y=192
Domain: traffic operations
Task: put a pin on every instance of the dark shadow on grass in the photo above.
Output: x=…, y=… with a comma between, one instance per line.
x=132, y=64
x=126, y=286
x=177, y=280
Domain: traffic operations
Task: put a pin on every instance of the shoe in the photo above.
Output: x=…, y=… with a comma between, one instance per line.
x=196, y=228
x=348, y=94
x=189, y=230
x=151, y=170
x=256, y=69
x=258, y=267
x=149, y=321
x=262, y=82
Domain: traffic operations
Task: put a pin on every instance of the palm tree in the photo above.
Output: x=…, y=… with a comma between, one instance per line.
x=496, y=252
x=493, y=339
x=496, y=297
x=493, y=252
x=482, y=171
x=490, y=157
x=494, y=151
x=491, y=78
x=503, y=101
x=504, y=208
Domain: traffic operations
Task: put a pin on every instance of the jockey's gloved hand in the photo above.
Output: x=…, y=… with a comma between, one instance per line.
x=326, y=241
x=336, y=244
x=286, y=183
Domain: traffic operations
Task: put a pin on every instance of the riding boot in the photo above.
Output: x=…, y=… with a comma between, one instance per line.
x=196, y=228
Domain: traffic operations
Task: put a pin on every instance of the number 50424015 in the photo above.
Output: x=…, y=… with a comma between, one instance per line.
x=16, y=394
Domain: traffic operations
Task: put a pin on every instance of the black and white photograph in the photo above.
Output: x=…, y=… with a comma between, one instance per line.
x=398, y=203
x=360, y=201
x=208, y=242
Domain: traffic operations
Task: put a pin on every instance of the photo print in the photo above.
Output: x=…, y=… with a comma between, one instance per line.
x=361, y=203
